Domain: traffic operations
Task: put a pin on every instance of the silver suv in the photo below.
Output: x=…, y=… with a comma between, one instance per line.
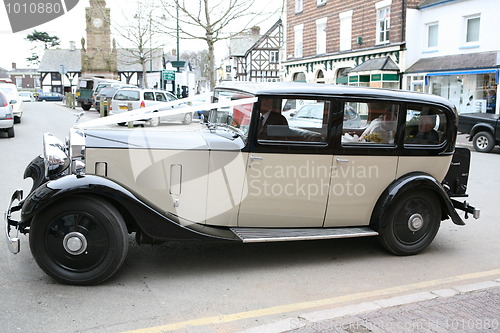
x=128, y=99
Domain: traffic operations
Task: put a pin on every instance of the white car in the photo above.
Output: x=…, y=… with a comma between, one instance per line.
x=6, y=117
x=26, y=96
x=127, y=99
x=10, y=90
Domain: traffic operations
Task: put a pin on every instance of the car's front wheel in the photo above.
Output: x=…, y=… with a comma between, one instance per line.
x=413, y=222
x=483, y=142
x=153, y=122
x=79, y=240
x=188, y=118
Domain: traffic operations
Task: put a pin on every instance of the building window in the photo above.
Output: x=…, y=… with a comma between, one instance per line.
x=472, y=29
x=19, y=82
x=298, y=34
x=383, y=21
x=321, y=36
x=298, y=6
x=273, y=57
x=432, y=35
x=345, y=30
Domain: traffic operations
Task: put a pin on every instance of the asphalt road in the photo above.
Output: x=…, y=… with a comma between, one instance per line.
x=219, y=287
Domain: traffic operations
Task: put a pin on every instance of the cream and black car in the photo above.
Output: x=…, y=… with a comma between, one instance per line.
x=248, y=174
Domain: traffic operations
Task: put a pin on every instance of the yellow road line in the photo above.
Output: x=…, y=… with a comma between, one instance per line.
x=314, y=304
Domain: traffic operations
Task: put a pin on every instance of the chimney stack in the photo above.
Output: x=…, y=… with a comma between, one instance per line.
x=14, y=66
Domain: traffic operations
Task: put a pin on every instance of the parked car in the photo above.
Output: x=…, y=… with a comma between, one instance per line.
x=10, y=90
x=103, y=95
x=26, y=96
x=126, y=99
x=107, y=84
x=483, y=130
x=6, y=116
x=247, y=176
x=49, y=96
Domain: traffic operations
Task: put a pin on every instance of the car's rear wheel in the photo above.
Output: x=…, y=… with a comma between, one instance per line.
x=86, y=107
x=483, y=142
x=10, y=132
x=188, y=118
x=17, y=120
x=79, y=241
x=413, y=222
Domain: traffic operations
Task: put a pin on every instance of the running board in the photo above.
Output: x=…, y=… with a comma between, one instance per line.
x=257, y=235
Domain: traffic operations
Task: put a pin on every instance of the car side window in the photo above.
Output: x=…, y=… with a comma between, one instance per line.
x=160, y=97
x=369, y=123
x=425, y=125
x=295, y=120
x=149, y=96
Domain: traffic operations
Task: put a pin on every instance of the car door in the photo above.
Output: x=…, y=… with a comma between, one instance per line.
x=364, y=164
x=287, y=173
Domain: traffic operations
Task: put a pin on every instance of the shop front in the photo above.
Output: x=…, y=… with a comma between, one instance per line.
x=471, y=88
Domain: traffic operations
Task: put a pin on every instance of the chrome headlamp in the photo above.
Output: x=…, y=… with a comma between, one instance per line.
x=58, y=156
x=76, y=146
x=54, y=155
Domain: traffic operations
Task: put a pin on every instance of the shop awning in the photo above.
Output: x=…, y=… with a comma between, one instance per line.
x=465, y=72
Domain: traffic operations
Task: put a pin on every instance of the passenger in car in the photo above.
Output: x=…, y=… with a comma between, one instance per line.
x=426, y=132
x=270, y=115
x=382, y=128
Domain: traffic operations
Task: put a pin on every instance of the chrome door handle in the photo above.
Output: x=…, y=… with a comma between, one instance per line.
x=341, y=160
x=256, y=158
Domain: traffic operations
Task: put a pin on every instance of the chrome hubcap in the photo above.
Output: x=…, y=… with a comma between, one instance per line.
x=482, y=142
x=415, y=222
x=75, y=243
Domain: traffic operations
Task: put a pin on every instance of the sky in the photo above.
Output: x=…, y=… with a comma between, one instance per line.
x=71, y=27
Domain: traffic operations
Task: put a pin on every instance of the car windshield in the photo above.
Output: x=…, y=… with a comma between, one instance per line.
x=313, y=111
x=127, y=95
x=235, y=116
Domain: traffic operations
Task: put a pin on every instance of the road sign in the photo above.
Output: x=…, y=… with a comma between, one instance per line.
x=168, y=74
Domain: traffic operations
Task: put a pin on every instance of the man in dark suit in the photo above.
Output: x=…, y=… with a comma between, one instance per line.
x=270, y=115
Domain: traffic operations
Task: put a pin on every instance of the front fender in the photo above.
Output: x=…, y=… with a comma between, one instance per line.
x=410, y=182
x=148, y=219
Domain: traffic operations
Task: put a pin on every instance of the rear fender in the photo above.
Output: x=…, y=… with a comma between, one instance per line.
x=411, y=182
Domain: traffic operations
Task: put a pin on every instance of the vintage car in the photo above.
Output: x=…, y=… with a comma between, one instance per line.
x=246, y=176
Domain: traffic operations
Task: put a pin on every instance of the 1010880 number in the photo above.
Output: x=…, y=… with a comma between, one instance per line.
x=34, y=8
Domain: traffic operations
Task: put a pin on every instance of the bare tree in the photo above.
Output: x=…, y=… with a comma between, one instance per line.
x=198, y=59
x=138, y=37
x=212, y=21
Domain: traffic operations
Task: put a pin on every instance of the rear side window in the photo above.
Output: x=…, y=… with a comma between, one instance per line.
x=127, y=95
x=369, y=123
x=149, y=96
x=425, y=125
x=3, y=100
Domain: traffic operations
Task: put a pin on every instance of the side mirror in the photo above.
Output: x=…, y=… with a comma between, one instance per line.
x=292, y=115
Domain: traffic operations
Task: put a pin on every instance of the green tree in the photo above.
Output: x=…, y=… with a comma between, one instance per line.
x=40, y=38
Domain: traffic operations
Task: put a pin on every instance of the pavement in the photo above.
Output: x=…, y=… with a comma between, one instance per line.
x=463, y=308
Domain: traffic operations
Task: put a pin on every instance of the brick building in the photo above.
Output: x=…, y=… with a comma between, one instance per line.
x=356, y=42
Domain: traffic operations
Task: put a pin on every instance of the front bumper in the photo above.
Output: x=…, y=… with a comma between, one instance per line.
x=12, y=226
